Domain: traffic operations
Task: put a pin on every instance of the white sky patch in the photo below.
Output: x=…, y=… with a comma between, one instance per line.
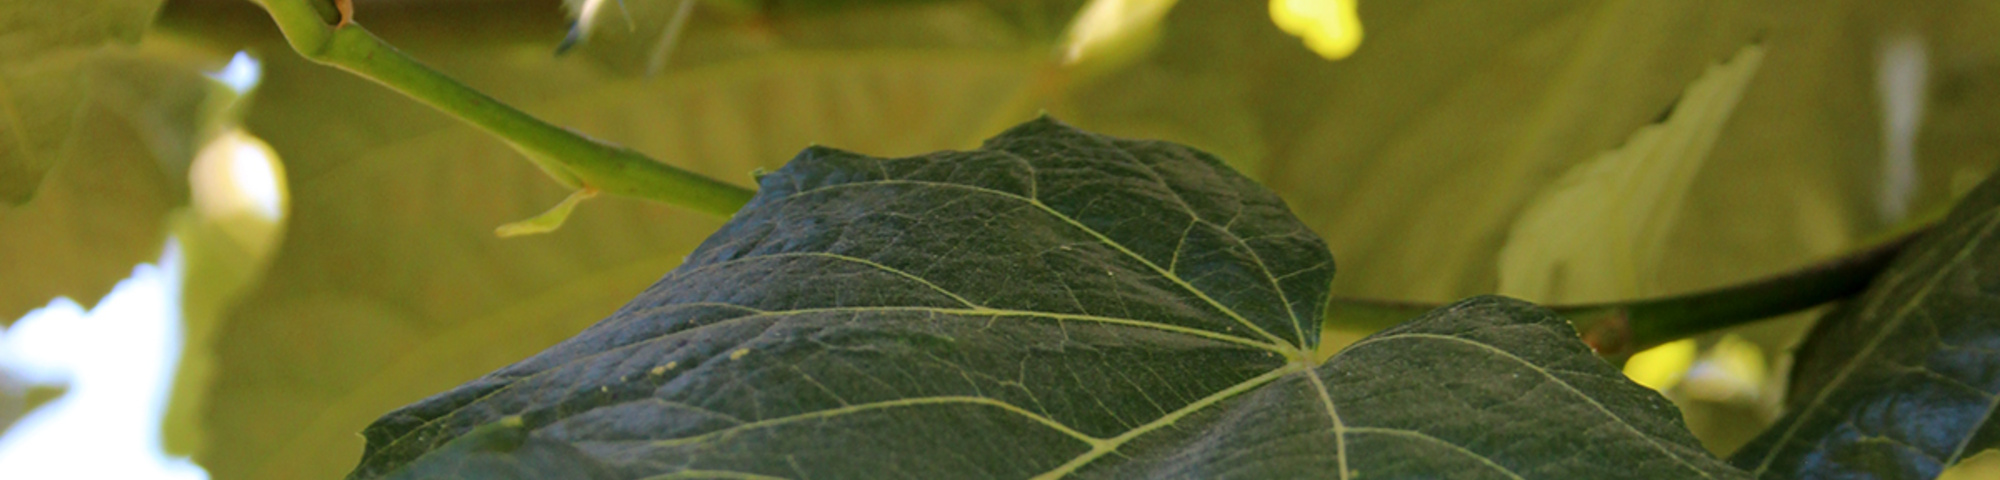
x=250, y=168
x=119, y=359
x=241, y=74
x=1901, y=77
x=588, y=14
x=1104, y=22
x=592, y=11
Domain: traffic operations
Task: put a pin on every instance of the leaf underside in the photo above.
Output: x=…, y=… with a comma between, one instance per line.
x=1900, y=383
x=96, y=132
x=1054, y=303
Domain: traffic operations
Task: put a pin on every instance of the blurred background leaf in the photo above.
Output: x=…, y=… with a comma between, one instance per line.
x=96, y=130
x=137, y=117
x=226, y=239
x=1415, y=156
x=47, y=45
x=95, y=133
x=1598, y=234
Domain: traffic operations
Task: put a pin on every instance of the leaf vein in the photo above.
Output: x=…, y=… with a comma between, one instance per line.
x=882, y=405
x=1895, y=321
x=1427, y=438
x=1101, y=238
x=1655, y=443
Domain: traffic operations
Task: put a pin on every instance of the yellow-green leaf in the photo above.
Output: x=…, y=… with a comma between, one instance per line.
x=46, y=47
x=548, y=221
x=124, y=150
x=1598, y=234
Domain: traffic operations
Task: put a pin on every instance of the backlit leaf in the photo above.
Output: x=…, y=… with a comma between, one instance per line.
x=47, y=45
x=1599, y=233
x=124, y=152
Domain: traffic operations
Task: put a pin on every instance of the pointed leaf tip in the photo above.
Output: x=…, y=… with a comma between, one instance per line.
x=547, y=221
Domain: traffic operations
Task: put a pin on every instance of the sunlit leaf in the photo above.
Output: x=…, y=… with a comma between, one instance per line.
x=1599, y=233
x=47, y=46
x=1055, y=303
x=1898, y=383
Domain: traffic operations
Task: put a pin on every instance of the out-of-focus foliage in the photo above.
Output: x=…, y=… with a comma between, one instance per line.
x=130, y=121
x=1114, y=32
x=93, y=131
x=48, y=44
x=1598, y=234
x=226, y=242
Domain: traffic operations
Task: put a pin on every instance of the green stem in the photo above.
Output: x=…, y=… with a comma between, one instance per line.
x=574, y=160
x=1619, y=329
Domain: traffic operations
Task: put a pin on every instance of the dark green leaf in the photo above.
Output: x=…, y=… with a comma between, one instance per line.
x=1900, y=382
x=1057, y=302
